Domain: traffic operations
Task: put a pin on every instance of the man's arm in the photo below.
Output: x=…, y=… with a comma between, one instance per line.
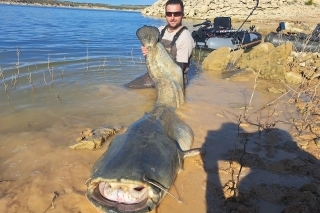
x=185, y=45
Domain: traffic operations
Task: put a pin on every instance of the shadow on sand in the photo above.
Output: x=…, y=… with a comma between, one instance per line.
x=259, y=172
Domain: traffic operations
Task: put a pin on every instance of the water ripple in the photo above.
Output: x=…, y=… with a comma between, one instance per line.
x=46, y=49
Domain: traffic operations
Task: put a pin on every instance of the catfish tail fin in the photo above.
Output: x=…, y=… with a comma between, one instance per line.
x=148, y=35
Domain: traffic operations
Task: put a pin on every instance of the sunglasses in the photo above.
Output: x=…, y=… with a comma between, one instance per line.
x=175, y=14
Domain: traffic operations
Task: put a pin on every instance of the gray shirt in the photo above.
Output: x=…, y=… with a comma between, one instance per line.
x=183, y=46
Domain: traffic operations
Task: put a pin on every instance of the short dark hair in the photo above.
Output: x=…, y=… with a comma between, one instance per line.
x=175, y=2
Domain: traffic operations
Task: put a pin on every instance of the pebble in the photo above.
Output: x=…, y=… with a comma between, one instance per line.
x=303, y=142
x=317, y=141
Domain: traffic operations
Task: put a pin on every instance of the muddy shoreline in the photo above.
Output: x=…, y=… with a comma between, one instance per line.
x=244, y=168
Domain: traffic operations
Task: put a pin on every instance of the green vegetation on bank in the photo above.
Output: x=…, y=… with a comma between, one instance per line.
x=310, y=2
x=56, y=3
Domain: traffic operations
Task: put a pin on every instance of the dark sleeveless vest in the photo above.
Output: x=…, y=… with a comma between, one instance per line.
x=171, y=45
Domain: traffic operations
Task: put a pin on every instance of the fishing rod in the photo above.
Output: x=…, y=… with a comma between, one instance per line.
x=255, y=7
x=207, y=23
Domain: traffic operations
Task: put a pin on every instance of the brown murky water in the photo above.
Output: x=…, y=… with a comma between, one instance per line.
x=37, y=165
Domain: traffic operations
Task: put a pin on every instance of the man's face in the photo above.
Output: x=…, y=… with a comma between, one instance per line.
x=174, y=15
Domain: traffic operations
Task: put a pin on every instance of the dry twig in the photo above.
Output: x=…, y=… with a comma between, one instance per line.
x=55, y=195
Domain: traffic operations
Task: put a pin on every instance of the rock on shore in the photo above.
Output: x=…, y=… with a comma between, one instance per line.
x=240, y=9
x=267, y=61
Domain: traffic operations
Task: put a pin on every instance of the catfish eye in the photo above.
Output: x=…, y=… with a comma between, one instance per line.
x=138, y=188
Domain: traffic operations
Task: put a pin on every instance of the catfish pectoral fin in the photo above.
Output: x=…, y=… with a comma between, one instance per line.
x=192, y=152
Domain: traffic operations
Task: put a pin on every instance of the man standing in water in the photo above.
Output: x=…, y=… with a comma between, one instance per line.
x=176, y=39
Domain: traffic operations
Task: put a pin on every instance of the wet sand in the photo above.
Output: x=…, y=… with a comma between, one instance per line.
x=39, y=171
x=267, y=167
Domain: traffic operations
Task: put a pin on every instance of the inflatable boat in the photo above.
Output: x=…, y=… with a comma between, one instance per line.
x=301, y=41
x=221, y=34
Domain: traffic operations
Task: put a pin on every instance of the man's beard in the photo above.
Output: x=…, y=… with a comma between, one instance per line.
x=175, y=26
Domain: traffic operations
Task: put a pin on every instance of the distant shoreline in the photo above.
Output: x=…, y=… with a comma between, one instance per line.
x=70, y=7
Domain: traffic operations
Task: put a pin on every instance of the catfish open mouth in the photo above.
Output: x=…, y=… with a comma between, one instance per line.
x=125, y=197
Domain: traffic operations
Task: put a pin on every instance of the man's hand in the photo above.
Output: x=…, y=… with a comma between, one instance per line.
x=144, y=50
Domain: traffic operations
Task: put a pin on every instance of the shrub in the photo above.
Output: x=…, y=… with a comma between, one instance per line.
x=309, y=2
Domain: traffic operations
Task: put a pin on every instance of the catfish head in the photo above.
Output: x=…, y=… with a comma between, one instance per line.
x=123, y=195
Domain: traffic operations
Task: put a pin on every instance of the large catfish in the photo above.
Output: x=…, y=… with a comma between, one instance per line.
x=140, y=166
